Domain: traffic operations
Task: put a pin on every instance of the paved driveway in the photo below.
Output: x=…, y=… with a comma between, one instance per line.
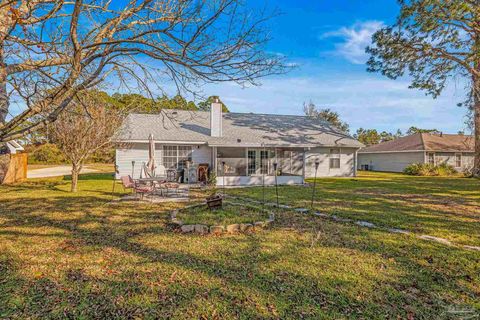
x=55, y=172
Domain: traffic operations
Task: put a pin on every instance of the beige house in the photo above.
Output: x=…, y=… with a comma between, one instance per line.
x=241, y=148
x=394, y=156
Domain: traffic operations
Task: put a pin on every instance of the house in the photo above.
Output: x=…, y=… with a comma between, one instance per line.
x=13, y=162
x=394, y=156
x=11, y=147
x=241, y=148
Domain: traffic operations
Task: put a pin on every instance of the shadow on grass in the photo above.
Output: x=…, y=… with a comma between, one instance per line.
x=241, y=279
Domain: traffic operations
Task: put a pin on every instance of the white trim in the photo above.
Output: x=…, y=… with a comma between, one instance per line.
x=401, y=151
x=409, y=151
x=461, y=159
x=172, y=142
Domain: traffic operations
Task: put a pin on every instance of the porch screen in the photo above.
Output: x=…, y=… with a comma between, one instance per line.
x=175, y=157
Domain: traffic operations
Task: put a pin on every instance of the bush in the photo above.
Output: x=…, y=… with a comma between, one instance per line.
x=428, y=169
x=47, y=153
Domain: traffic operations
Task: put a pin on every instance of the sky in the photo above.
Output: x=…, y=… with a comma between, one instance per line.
x=326, y=42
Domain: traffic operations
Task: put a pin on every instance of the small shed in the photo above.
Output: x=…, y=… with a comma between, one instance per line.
x=13, y=163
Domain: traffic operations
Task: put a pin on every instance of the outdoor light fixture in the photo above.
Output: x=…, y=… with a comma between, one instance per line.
x=317, y=164
x=275, y=165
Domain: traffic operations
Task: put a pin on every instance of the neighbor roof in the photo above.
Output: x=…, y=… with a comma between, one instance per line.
x=239, y=129
x=425, y=142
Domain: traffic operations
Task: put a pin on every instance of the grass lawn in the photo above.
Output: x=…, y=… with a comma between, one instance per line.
x=229, y=214
x=66, y=255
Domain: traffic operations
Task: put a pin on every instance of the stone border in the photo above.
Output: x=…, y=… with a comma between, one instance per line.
x=221, y=229
x=364, y=224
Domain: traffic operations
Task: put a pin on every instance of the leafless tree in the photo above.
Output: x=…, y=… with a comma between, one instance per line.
x=84, y=128
x=52, y=50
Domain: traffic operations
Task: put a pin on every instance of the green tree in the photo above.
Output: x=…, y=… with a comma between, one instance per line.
x=371, y=136
x=206, y=104
x=326, y=114
x=415, y=130
x=433, y=41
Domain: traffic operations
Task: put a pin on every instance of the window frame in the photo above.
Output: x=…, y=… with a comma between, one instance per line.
x=337, y=156
x=461, y=159
x=434, y=158
x=174, y=152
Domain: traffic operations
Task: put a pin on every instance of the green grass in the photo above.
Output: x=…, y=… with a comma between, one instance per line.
x=229, y=214
x=440, y=206
x=66, y=255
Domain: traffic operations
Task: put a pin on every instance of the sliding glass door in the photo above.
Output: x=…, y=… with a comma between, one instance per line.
x=259, y=161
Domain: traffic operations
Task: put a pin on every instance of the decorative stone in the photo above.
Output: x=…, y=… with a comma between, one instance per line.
x=177, y=222
x=302, y=210
x=259, y=224
x=320, y=214
x=233, y=228
x=472, y=248
x=200, y=228
x=436, y=239
x=217, y=229
x=393, y=230
x=246, y=227
x=267, y=223
x=284, y=206
x=365, y=224
x=186, y=228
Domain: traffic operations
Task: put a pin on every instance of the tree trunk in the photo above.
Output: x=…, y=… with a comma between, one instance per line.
x=476, y=125
x=3, y=87
x=75, y=172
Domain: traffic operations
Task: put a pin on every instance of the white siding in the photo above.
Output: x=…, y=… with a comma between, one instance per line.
x=202, y=154
x=137, y=152
x=390, y=162
x=347, y=163
x=449, y=158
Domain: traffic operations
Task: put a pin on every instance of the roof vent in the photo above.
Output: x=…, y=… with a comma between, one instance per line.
x=174, y=113
x=239, y=140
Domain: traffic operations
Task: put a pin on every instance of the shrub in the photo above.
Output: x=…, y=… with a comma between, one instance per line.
x=47, y=153
x=428, y=169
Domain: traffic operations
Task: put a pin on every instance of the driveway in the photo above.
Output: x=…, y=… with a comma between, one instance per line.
x=55, y=171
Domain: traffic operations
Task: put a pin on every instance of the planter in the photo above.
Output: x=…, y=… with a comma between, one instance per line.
x=215, y=202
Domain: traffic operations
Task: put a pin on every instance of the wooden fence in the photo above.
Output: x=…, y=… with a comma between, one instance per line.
x=17, y=168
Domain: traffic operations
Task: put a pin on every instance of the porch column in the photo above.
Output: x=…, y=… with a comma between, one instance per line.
x=214, y=159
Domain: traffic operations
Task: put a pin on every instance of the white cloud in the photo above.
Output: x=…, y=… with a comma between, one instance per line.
x=354, y=40
x=363, y=100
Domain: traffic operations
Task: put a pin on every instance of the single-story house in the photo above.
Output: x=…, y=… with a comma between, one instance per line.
x=241, y=148
x=10, y=147
x=395, y=155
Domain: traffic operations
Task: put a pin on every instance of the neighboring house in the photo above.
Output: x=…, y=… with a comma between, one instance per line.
x=11, y=147
x=394, y=156
x=248, y=144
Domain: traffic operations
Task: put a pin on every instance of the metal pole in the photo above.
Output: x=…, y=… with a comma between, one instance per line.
x=315, y=181
x=276, y=185
x=263, y=180
x=133, y=168
x=223, y=170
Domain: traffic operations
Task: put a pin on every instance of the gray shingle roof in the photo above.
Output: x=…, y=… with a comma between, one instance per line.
x=239, y=129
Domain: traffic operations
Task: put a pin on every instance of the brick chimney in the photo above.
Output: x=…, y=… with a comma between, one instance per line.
x=216, y=118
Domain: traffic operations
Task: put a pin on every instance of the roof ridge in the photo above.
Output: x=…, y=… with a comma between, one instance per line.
x=423, y=141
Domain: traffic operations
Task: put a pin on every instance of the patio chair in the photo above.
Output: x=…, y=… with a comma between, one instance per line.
x=128, y=183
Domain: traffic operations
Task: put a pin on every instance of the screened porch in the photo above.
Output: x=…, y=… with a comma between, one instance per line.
x=248, y=166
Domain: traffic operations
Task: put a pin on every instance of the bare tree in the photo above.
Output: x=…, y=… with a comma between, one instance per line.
x=326, y=114
x=52, y=50
x=84, y=128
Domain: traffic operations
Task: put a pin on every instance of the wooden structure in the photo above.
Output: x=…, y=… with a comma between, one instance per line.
x=215, y=202
x=13, y=168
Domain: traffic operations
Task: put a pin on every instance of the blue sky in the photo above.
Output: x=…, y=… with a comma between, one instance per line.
x=326, y=41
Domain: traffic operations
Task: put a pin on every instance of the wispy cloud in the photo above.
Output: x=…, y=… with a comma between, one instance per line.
x=354, y=40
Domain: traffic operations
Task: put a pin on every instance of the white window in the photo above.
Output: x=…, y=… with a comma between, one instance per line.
x=458, y=160
x=260, y=161
x=431, y=158
x=175, y=157
x=334, y=158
